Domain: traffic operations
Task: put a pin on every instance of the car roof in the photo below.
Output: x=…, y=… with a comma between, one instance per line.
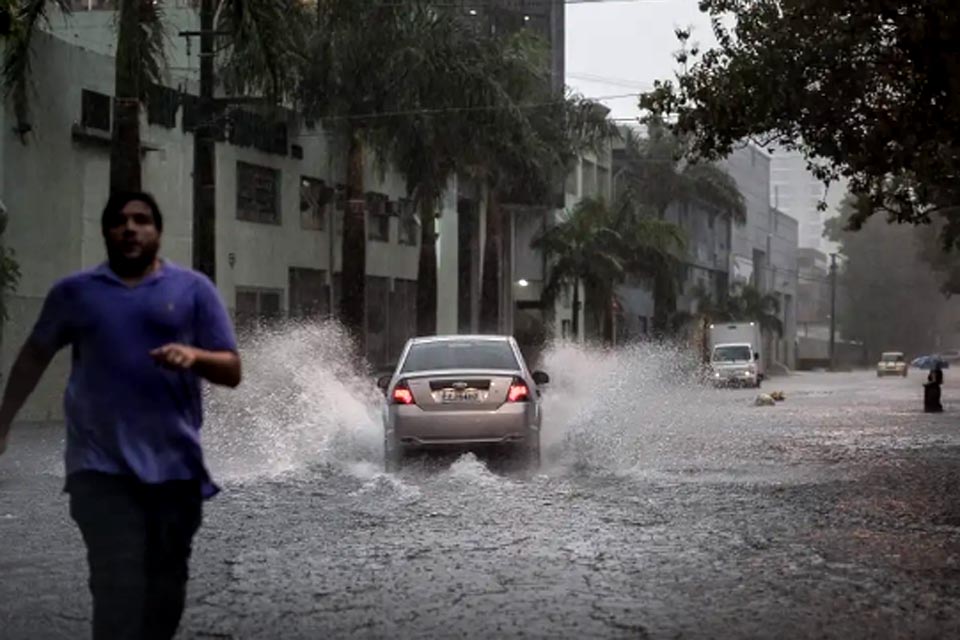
x=460, y=338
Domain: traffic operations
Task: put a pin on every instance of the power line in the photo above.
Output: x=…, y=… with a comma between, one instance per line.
x=621, y=82
x=445, y=110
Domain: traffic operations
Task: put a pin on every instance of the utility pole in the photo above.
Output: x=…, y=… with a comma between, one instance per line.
x=204, y=154
x=833, y=310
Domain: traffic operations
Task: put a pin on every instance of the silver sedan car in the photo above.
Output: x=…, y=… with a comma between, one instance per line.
x=462, y=392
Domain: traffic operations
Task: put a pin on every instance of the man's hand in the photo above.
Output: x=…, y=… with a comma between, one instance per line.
x=176, y=356
x=218, y=367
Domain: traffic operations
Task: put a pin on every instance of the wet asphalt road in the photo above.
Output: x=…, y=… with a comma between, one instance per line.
x=684, y=514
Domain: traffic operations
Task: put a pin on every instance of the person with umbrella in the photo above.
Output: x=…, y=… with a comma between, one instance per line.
x=931, y=390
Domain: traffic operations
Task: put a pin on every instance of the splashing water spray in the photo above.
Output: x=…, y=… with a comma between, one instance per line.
x=308, y=401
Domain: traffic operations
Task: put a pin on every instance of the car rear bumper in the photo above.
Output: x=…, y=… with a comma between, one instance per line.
x=411, y=426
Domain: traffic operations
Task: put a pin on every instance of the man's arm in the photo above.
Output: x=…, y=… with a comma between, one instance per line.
x=214, y=349
x=32, y=361
x=218, y=367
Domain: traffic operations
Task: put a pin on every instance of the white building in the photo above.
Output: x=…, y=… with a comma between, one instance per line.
x=764, y=250
x=276, y=255
x=797, y=192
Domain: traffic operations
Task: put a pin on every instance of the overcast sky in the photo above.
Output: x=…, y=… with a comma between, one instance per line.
x=617, y=47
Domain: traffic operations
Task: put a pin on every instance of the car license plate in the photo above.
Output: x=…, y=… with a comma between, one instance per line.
x=458, y=395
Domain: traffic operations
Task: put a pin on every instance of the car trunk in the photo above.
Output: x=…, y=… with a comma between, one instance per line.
x=460, y=391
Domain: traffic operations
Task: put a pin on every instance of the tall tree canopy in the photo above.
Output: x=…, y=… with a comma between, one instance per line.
x=868, y=90
x=888, y=296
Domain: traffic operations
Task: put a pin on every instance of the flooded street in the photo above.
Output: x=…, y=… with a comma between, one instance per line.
x=664, y=510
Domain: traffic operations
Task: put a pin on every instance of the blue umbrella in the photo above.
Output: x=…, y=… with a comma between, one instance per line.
x=928, y=362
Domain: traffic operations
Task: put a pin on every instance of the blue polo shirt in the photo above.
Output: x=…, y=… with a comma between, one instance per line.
x=127, y=415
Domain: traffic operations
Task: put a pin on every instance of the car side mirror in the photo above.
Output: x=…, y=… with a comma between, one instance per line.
x=756, y=355
x=541, y=378
x=383, y=382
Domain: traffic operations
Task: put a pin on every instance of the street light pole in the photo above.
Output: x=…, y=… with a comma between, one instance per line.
x=833, y=310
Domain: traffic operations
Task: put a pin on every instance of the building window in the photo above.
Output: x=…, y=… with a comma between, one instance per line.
x=314, y=200
x=257, y=306
x=409, y=226
x=258, y=193
x=378, y=221
x=95, y=110
x=162, y=105
x=309, y=293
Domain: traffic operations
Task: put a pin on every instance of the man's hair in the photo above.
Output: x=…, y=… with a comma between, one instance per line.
x=119, y=199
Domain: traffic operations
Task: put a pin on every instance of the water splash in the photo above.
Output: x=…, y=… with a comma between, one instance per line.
x=639, y=407
x=306, y=400
x=384, y=486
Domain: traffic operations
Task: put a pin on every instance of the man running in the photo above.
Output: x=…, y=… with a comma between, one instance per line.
x=143, y=332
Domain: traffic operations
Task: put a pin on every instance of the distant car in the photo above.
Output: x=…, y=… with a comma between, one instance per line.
x=892, y=363
x=462, y=392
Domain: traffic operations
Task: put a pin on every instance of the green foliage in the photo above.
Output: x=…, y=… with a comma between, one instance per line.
x=888, y=296
x=744, y=303
x=867, y=90
x=659, y=171
x=599, y=245
x=26, y=16
x=261, y=56
x=656, y=175
x=584, y=248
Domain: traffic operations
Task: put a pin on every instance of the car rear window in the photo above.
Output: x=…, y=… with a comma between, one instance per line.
x=440, y=356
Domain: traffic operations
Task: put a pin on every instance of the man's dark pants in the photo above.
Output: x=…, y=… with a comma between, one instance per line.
x=138, y=540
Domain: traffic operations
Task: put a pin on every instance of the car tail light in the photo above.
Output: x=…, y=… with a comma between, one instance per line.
x=402, y=394
x=519, y=392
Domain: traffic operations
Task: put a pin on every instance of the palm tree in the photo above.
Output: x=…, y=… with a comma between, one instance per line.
x=464, y=72
x=651, y=246
x=363, y=83
x=525, y=167
x=140, y=61
x=584, y=249
x=744, y=303
x=657, y=176
x=747, y=302
x=26, y=16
